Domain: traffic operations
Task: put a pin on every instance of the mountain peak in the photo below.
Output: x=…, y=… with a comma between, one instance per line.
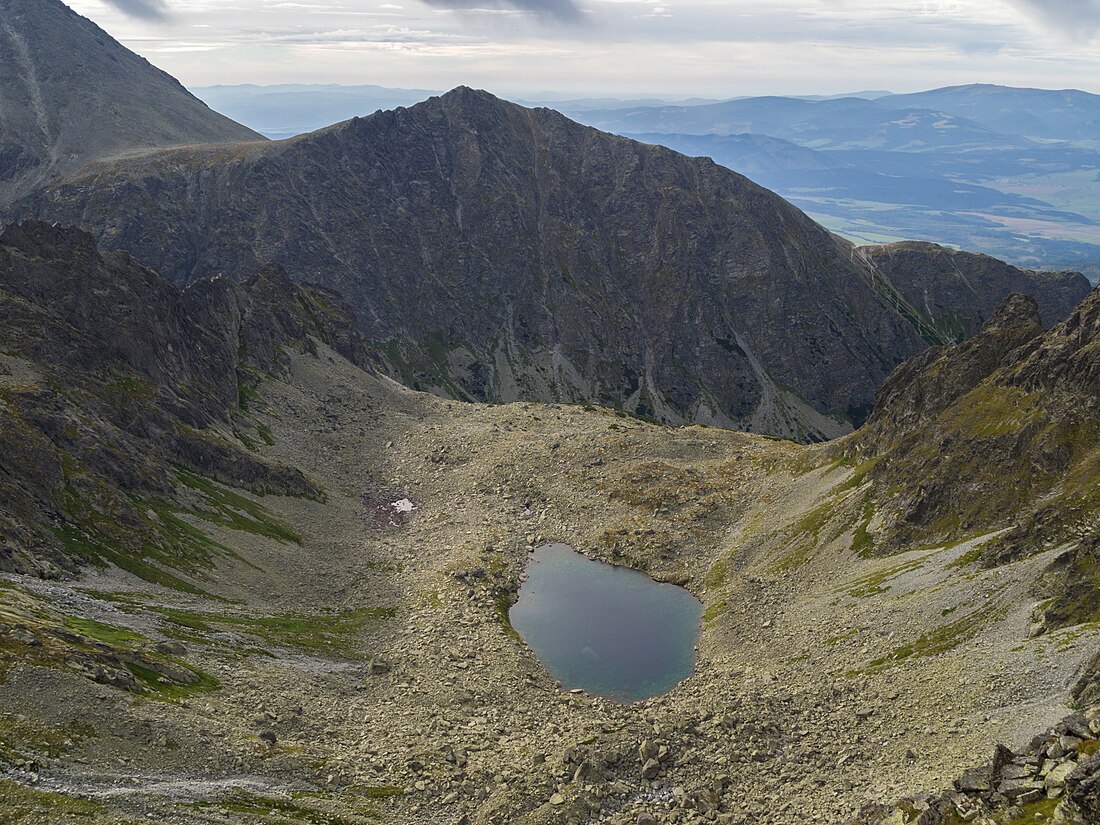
x=73, y=95
x=1067, y=360
x=463, y=92
x=468, y=98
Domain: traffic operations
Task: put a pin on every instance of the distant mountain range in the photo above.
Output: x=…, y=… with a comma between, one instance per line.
x=1063, y=114
x=1007, y=171
x=1011, y=172
x=843, y=123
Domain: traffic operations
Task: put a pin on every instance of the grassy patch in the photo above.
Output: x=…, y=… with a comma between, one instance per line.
x=858, y=476
x=717, y=574
x=264, y=432
x=993, y=410
x=503, y=606
x=96, y=551
x=161, y=688
x=335, y=634
x=833, y=641
x=1039, y=812
x=863, y=543
x=248, y=443
x=230, y=509
x=971, y=556
x=246, y=394
x=875, y=583
x=183, y=533
x=20, y=805
x=813, y=521
x=714, y=610
x=941, y=640
x=108, y=634
x=240, y=802
x=806, y=536
x=1088, y=747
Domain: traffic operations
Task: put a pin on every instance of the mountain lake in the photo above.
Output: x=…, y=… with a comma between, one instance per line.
x=610, y=631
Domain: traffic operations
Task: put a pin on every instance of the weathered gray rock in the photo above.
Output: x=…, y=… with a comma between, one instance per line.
x=1021, y=790
x=976, y=780
x=1057, y=776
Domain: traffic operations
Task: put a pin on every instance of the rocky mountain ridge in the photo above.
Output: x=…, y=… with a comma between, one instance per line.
x=958, y=291
x=492, y=252
x=1001, y=430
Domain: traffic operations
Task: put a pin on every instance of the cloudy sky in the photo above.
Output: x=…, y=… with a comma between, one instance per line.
x=712, y=48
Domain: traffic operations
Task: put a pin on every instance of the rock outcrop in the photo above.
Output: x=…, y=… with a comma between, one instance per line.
x=1001, y=432
x=1055, y=778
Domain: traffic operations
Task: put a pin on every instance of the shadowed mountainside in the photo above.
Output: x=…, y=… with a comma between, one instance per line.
x=959, y=291
x=116, y=388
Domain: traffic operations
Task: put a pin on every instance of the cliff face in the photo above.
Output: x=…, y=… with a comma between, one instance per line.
x=115, y=385
x=70, y=94
x=494, y=252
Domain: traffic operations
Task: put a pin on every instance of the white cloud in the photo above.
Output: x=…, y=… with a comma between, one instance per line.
x=717, y=48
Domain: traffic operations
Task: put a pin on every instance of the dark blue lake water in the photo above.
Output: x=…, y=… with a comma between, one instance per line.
x=612, y=631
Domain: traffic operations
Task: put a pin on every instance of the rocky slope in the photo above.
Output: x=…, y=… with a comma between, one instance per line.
x=1055, y=777
x=492, y=252
x=70, y=94
x=1002, y=430
x=275, y=646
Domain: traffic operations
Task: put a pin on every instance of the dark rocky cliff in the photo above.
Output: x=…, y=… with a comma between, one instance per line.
x=958, y=291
